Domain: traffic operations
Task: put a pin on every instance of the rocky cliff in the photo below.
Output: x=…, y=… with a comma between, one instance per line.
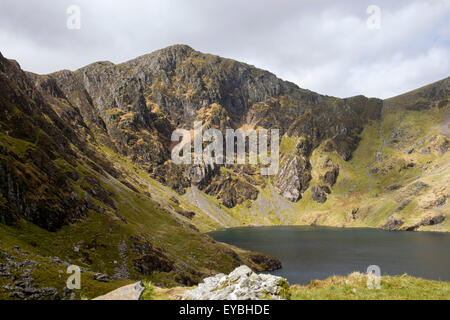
x=86, y=173
x=135, y=106
x=73, y=191
x=132, y=108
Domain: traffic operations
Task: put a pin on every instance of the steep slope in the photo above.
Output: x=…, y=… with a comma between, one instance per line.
x=63, y=197
x=86, y=173
x=399, y=175
x=134, y=107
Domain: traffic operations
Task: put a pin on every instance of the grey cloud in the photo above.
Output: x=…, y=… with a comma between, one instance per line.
x=321, y=45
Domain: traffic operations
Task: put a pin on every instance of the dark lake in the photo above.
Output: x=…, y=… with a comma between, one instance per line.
x=308, y=253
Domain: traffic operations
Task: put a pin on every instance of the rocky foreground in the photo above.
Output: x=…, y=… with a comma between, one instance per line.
x=88, y=153
x=241, y=284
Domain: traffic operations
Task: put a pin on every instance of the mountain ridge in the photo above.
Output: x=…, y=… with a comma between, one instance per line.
x=61, y=197
x=136, y=105
x=87, y=175
x=254, y=88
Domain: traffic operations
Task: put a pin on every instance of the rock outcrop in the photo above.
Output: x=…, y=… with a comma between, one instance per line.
x=84, y=147
x=241, y=284
x=319, y=193
x=138, y=104
x=331, y=176
x=66, y=142
x=394, y=222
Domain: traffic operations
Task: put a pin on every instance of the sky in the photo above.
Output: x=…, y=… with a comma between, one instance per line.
x=338, y=48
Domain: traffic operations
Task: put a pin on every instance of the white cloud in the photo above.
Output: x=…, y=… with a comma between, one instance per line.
x=321, y=45
x=400, y=72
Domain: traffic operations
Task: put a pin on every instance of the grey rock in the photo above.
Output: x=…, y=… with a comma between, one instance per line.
x=241, y=284
x=403, y=205
x=293, y=178
x=331, y=176
x=394, y=222
x=319, y=193
x=440, y=201
x=394, y=187
x=18, y=295
x=129, y=292
x=429, y=220
x=29, y=263
x=101, y=277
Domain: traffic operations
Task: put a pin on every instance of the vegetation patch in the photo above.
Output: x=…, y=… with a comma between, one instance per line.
x=354, y=287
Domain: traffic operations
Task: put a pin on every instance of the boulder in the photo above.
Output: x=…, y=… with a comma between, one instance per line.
x=331, y=176
x=241, y=284
x=319, y=194
x=101, y=277
x=394, y=222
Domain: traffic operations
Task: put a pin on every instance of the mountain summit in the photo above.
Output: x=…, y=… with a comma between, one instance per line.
x=138, y=104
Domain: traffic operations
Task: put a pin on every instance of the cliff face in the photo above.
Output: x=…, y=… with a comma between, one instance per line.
x=63, y=192
x=33, y=136
x=135, y=106
x=85, y=156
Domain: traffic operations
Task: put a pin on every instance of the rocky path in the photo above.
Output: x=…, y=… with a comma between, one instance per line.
x=122, y=271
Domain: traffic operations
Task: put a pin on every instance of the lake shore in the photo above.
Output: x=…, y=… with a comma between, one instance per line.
x=309, y=253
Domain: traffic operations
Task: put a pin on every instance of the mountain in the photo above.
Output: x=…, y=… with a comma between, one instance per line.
x=66, y=196
x=87, y=176
x=134, y=107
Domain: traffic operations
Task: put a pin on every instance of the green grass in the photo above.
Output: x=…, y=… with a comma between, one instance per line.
x=351, y=287
x=49, y=274
x=17, y=146
x=354, y=287
x=149, y=291
x=288, y=144
x=99, y=236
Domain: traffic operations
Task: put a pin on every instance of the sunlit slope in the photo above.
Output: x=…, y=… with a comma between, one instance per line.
x=398, y=177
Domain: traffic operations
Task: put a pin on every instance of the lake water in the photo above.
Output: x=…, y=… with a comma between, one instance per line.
x=308, y=253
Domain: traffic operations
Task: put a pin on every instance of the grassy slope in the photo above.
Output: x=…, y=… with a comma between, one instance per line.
x=51, y=274
x=97, y=238
x=354, y=287
x=358, y=188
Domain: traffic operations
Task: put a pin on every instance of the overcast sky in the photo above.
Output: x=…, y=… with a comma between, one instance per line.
x=324, y=46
